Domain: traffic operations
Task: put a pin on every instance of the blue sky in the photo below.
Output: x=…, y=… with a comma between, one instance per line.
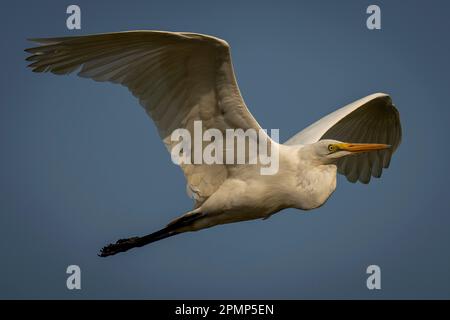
x=82, y=165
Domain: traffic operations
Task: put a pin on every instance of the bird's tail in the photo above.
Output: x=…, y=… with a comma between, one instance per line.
x=172, y=229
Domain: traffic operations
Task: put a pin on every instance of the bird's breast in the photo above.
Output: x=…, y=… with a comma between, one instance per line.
x=314, y=185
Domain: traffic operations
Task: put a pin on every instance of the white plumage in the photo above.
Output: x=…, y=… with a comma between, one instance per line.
x=180, y=78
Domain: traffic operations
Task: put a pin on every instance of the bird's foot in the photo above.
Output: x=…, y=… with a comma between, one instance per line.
x=120, y=246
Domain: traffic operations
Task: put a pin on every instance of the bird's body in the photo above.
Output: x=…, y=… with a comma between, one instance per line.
x=182, y=78
x=246, y=194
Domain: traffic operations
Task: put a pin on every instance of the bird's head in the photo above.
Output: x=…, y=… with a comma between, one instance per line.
x=330, y=150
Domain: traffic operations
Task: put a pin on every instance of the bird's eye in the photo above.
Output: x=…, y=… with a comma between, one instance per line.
x=331, y=148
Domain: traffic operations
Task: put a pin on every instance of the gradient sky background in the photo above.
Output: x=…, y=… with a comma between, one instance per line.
x=81, y=165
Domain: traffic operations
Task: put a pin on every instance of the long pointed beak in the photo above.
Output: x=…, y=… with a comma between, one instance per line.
x=363, y=147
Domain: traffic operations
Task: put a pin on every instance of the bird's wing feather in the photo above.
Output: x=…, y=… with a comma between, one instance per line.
x=372, y=119
x=178, y=78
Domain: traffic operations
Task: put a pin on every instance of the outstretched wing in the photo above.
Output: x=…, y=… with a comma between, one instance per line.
x=372, y=119
x=178, y=78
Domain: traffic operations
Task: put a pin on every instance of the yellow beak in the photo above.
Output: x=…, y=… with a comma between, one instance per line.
x=362, y=147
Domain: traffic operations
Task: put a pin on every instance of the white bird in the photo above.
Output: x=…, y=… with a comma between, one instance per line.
x=182, y=77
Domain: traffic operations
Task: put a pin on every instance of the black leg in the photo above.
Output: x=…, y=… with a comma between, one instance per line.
x=123, y=245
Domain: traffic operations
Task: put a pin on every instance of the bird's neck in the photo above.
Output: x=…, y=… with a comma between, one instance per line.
x=315, y=180
x=307, y=155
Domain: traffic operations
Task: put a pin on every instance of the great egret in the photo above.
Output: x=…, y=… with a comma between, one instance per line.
x=180, y=78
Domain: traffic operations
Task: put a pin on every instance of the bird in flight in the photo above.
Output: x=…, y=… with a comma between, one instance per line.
x=180, y=78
